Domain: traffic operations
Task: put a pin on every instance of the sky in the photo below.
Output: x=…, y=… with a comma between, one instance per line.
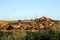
x=28, y=9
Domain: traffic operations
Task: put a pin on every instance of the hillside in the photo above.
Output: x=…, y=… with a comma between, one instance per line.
x=42, y=28
x=33, y=24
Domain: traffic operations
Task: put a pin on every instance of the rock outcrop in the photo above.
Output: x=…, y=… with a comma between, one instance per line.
x=36, y=24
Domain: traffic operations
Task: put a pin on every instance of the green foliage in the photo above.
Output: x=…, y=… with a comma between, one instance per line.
x=6, y=35
x=43, y=35
x=14, y=35
x=19, y=35
x=29, y=35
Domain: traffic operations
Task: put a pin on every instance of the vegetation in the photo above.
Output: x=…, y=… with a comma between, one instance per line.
x=29, y=35
x=13, y=35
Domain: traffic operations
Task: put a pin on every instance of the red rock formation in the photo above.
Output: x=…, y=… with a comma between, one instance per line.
x=42, y=23
x=41, y=26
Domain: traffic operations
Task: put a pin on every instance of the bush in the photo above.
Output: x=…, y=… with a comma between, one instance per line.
x=29, y=35
x=43, y=35
x=13, y=35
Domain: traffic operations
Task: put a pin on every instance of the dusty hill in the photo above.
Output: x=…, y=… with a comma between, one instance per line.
x=36, y=24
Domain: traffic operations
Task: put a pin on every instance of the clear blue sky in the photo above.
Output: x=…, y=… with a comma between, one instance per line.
x=21, y=9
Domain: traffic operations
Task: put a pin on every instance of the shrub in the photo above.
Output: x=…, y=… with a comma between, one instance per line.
x=29, y=35
x=43, y=35
x=13, y=35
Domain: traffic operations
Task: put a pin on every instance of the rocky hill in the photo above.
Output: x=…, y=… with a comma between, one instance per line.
x=33, y=24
